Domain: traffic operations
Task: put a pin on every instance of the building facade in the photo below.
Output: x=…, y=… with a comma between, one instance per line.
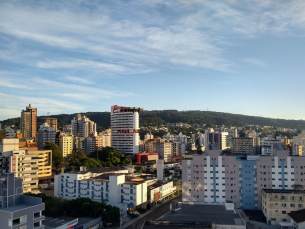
x=28, y=122
x=117, y=189
x=17, y=210
x=277, y=203
x=83, y=127
x=44, y=163
x=125, y=129
x=45, y=134
x=52, y=122
x=216, y=178
x=247, y=145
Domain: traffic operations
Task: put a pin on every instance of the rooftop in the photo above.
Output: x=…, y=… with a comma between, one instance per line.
x=205, y=214
x=106, y=169
x=298, y=216
x=18, y=207
x=283, y=191
x=57, y=222
x=78, y=172
x=157, y=184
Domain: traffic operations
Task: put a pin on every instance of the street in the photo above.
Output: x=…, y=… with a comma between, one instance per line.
x=156, y=213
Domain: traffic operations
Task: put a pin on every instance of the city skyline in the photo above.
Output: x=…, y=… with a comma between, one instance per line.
x=226, y=56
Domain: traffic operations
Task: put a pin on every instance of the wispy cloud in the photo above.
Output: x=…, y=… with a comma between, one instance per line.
x=256, y=62
x=77, y=79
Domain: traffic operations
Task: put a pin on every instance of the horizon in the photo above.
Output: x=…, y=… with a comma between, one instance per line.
x=238, y=57
x=156, y=110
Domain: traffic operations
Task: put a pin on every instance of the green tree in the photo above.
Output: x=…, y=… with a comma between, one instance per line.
x=90, y=163
x=166, y=172
x=175, y=183
x=57, y=158
x=138, y=169
x=75, y=159
x=110, y=157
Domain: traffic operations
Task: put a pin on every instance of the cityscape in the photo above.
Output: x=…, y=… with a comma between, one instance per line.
x=152, y=114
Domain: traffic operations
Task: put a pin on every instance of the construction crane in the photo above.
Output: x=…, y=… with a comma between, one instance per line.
x=48, y=114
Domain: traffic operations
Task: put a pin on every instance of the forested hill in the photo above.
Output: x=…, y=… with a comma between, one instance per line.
x=156, y=118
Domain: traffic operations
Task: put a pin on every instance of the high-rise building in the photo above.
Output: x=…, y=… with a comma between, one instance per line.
x=52, y=122
x=125, y=129
x=28, y=122
x=164, y=148
x=17, y=210
x=45, y=134
x=105, y=138
x=246, y=145
x=83, y=127
x=217, y=177
x=65, y=142
x=44, y=163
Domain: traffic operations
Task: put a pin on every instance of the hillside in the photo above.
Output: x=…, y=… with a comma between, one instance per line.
x=102, y=119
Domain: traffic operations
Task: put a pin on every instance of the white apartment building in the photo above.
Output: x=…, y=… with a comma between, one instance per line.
x=65, y=144
x=83, y=127
x=118, y=189
x=125, y=129
x=45, y=134
x=148, y=136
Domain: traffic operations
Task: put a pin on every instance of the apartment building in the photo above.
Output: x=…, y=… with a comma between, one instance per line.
x=247, y=145
x=17, y=210
x=45, y=134
x=23, y=164
x=44, y=163
x=83, y=127
x=277, y=203
x=9, y=132
x=218, y=138
x=28, y=122
x=217, y=178
x=118, y=189
x=52, y=122
x=125, y=129
x=105, y=138
x=65, y=142
x=300, y=140
x=164, y=148
x=178, y=148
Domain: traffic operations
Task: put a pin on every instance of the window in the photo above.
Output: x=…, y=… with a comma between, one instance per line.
x=291, y=197
x=283, y=212
x=300, y=205
x=292, y=205
x=283, y=205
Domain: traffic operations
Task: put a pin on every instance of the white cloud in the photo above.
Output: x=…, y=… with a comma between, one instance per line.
x=256, y=62
x=80, y=80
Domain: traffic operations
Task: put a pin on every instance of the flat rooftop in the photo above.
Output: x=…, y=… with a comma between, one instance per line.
x=158, y=184
x=205, y=214
x=106, y=169
x=77, y=172
x=283, y=191
x=18, y=207
x=51, y=223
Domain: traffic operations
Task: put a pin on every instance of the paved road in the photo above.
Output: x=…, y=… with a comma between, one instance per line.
x=156, y=213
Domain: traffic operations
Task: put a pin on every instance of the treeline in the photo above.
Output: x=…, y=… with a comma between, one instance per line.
x=158, y=118
x=80, y=207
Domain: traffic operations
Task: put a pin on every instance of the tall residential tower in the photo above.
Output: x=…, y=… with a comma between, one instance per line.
x=28, y=122
x=125, y=129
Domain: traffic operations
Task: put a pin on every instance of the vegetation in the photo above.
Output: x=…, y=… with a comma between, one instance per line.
x=167, y=172
x=78, y=158
x=138, y=169
x=80, y=207
x=57, y=158
x=158, y=118
x=110, y=157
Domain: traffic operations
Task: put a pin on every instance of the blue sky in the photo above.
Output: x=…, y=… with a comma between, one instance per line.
x=244, y=57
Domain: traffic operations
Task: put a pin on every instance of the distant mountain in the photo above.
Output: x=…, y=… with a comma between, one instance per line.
x=211, y=118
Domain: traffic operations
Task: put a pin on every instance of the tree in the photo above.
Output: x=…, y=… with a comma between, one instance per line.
x=167, y=172
x=57, y=158
x=175, y=183
x=75, y=159
x=138, y=169
x=110, y=157
x=90, y=163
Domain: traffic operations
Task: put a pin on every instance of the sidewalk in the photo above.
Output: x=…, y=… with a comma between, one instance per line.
x=146, y=213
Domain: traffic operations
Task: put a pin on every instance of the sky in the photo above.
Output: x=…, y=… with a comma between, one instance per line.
x=242, y=57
